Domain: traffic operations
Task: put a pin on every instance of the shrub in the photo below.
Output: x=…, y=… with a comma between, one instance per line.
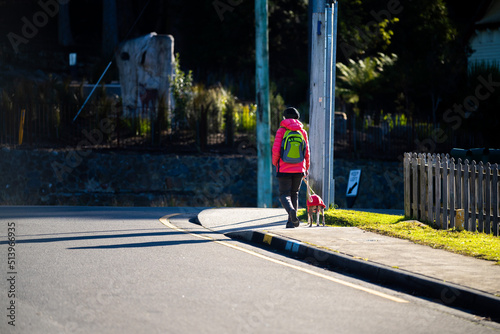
x=182, y=91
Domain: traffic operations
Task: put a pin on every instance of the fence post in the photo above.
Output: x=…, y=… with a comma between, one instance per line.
x=118, y=113
x=494, y=199
x=203, y=127
x=21, y=126
x=460, y=219
x=452, y=189
x=480, y=198
x=473, y=199
x=458, y=185
x=414, y=196
x=444, y=224
x=430, y=187
x=30, y=127
x=423, y=186
x=230, y=126
x=487, y=199
x=466, y=195
x=438, y=191
x=406, y=164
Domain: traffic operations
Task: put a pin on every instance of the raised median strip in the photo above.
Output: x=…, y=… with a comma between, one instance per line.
x=449, y=294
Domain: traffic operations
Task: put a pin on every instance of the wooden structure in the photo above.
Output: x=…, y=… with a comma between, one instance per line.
x=146, y=65
x=439, y=190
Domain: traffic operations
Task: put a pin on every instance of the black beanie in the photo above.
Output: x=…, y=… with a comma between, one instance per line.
x=291, y=113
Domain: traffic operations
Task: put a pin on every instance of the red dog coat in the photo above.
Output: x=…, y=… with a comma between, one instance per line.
x=315, y=200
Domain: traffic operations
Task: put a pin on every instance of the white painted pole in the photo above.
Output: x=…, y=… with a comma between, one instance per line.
x=331, y=15
x=317, y=96
x=328, y=149
x=322, y=98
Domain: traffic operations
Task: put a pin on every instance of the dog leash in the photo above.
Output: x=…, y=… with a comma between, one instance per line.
x=308, y=187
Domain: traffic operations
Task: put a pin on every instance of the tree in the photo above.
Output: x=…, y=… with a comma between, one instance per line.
x=357, y=82
x=65, y=35
x=109, y=28
x=365, y=28
x=430, y=57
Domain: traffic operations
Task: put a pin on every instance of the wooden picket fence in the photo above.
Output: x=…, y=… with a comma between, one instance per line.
x=451, y=194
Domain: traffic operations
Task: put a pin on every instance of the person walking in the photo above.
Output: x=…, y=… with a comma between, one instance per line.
x=290, y=174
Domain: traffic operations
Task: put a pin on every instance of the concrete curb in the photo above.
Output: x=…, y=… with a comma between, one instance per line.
x=448, y=294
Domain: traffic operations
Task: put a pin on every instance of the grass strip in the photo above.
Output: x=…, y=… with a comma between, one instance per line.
x=474, y=244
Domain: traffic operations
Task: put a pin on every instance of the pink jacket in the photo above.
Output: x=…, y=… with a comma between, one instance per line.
x=284, y=167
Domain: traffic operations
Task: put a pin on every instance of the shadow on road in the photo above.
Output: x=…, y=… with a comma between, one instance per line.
x=145, y=244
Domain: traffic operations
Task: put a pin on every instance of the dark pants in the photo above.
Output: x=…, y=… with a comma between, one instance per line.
x=289, y=185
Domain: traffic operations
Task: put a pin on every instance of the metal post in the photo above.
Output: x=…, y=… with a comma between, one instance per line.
x=330, y=67
x=264, y=193
x=334, y=8
x=327, y=172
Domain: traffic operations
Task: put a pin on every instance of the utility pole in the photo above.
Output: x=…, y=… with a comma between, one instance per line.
x=264, y=181
x=323, y=45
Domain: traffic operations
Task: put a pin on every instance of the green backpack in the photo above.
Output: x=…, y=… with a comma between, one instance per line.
x=293, y=147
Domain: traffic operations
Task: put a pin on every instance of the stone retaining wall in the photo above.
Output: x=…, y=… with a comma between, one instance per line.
x=82, y=177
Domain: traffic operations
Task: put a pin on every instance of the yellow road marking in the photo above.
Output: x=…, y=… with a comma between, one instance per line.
x=164, y=221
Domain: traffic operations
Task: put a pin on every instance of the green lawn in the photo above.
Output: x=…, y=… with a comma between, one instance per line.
x=477, y=245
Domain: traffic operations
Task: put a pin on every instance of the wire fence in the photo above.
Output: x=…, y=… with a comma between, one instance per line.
x=389, y=140
x=103, y=127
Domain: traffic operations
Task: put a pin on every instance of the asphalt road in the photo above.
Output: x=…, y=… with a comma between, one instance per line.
x=125, y=270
